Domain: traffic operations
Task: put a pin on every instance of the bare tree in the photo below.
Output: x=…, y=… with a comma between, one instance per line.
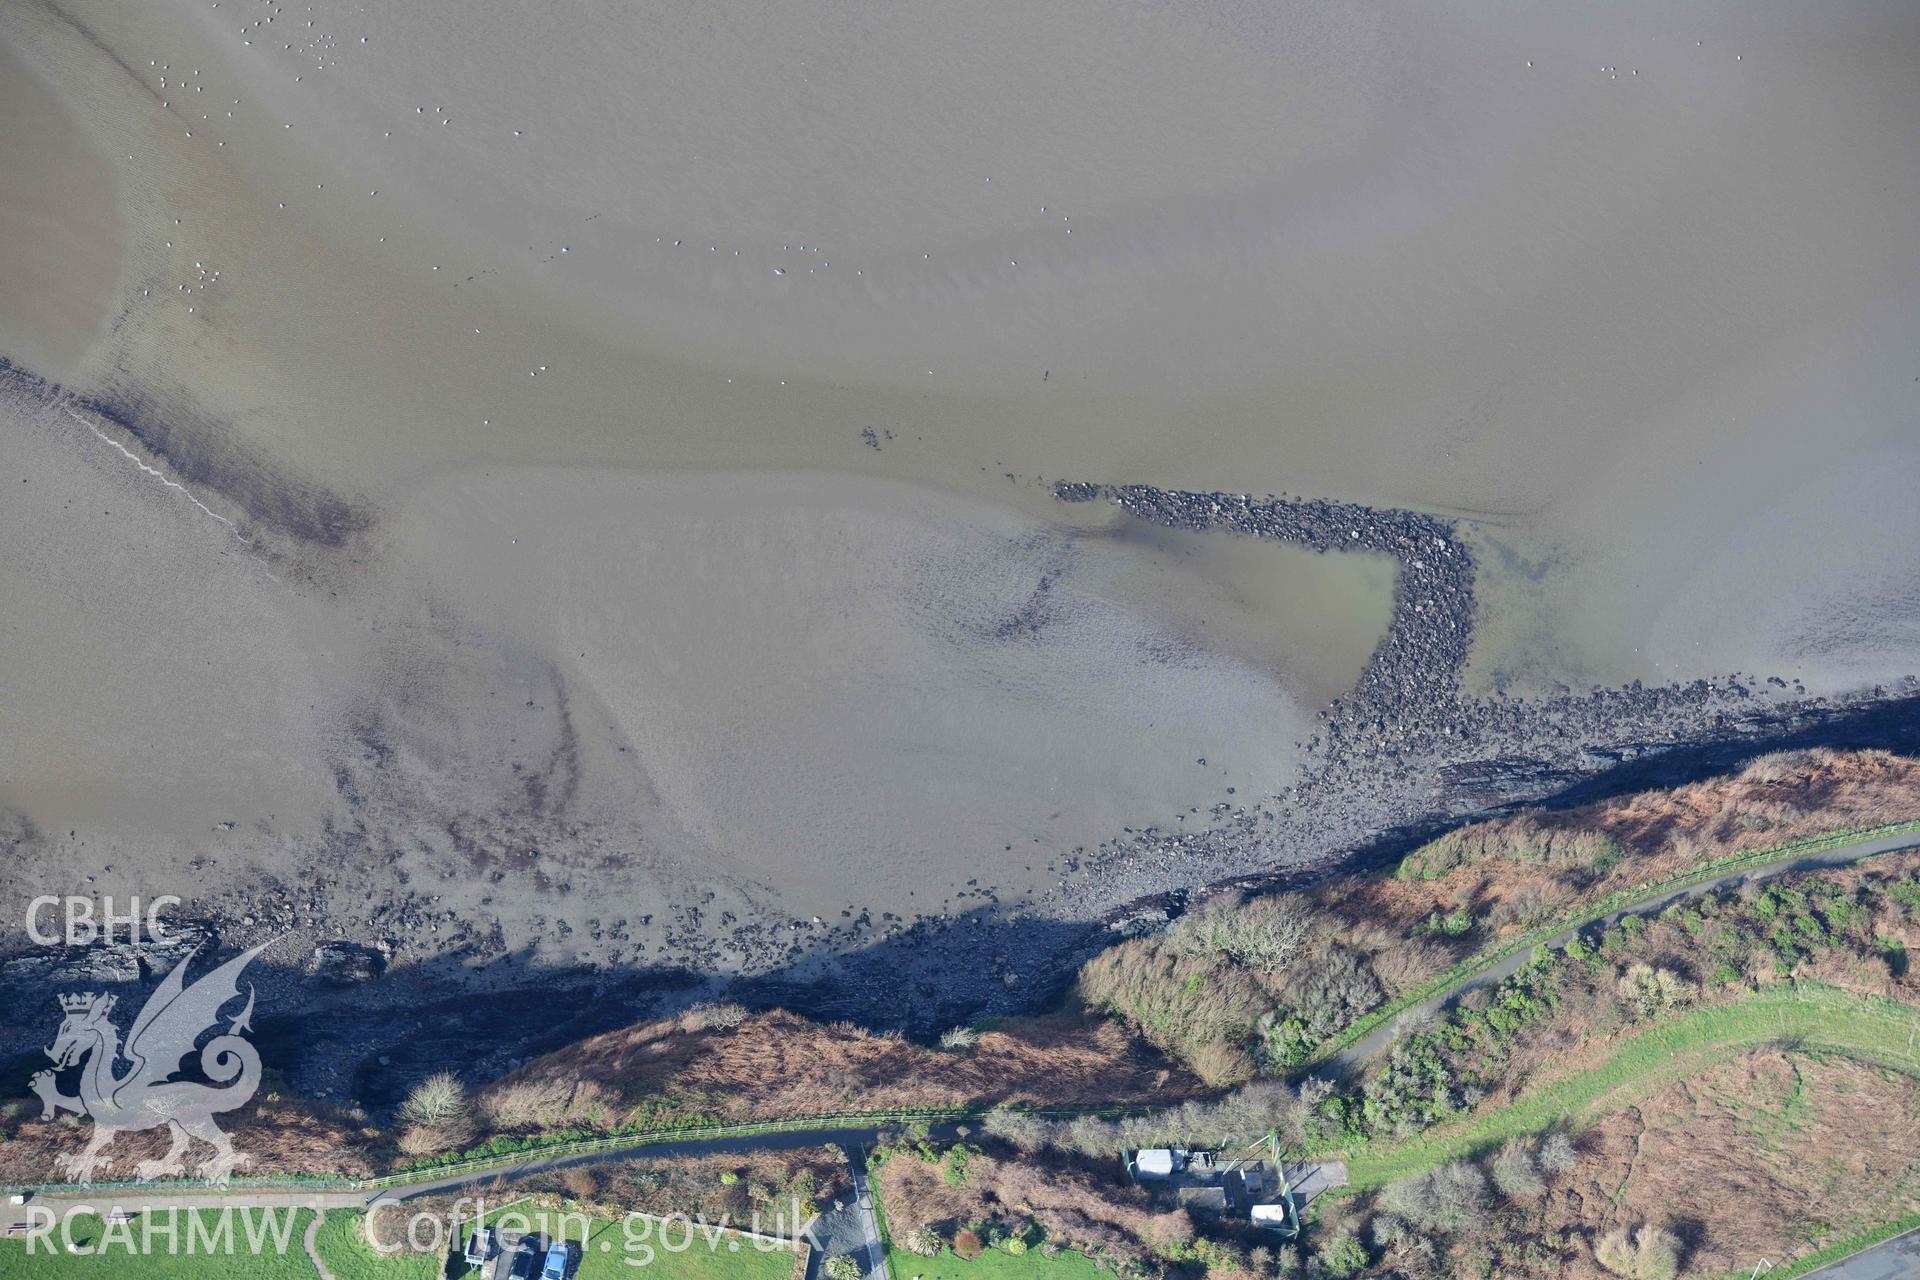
x=1515, y=1173
x=1557, y=1154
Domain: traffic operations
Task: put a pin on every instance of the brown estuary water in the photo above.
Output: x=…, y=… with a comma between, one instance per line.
x=598, y=461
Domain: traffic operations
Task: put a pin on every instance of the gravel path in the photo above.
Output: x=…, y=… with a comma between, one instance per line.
x=310, y=1242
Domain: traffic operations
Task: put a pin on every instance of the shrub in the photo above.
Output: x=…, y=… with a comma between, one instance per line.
x=1648, y=990
x=1026, y=1131
x=557, y=1103
x=1659, y=1253
x=968, y=1244
x=922, y=1241
x=1431, y=861
x=1557, y=1154
x=1447, y=1199
x=1607, y=859
x=953, y=1169
x=1219, y=1063
x=437, y=1116
x=1646, y=1254
x=1183, y=1003
x=1015, y=1245
x=1343, y=1256
x=438, y=1097
x=522, y=1104
x=1523, y=908
x=1266, y=934
x=1515, y=1174
x=432, y=1139
x=1403, y=963
x=1453, y=924
x=1339, y=990
x=1522, y=839
x=722, y=1015
x=1090, y=1136
x=842, y=1268
x=1257, y=1108
x=1413, y=1090
x=959, y=1039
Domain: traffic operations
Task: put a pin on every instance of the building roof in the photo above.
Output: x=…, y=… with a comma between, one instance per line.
x=1154, y=1162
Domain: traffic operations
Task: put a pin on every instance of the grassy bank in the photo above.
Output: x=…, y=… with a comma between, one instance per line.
x=521, y=1150
x=274, y=1253
x=342, y=1245
x=996, y=1264
x=1619, y=900
x=1809, y=1017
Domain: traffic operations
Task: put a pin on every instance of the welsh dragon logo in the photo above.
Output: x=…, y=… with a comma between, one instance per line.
x=146, y=1096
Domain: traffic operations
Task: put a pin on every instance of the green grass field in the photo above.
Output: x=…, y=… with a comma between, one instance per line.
x=280, y=1256
x=342, y=1244
x=1808, y=1017
x=996, y=1264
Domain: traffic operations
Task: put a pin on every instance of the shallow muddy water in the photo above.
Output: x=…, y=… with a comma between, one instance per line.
x=696, y=383
x=59, y=226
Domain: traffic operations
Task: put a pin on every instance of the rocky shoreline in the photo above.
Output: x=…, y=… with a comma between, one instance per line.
x=1411, y=685
x=1406, y=752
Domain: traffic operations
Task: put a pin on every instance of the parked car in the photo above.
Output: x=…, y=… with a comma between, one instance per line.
x=559, y=1261
x=526, y=1259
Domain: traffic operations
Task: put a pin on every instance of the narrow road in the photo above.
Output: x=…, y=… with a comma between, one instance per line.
x=158, y=1196
x=1376, y=1041
x=1895, y=1259
x=848, y=1140
x=141, y=1200
x=876, y=1248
